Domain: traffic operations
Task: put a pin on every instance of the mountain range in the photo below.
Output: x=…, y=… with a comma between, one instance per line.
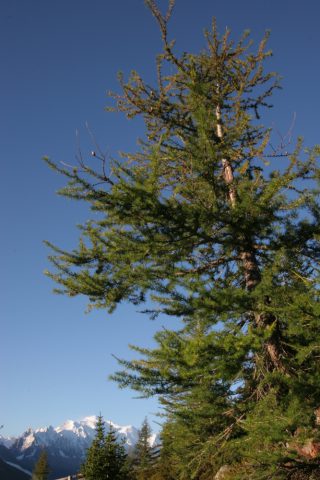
x=66, y=445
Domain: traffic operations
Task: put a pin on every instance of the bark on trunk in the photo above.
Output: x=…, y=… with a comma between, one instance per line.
x=251, y=270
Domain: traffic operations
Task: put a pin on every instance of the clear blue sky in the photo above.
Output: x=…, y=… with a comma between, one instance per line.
x=58, y=59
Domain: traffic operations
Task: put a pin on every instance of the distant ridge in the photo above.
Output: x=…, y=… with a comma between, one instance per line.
x=65, y=444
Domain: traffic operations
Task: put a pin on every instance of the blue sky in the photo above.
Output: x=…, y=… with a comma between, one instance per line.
x=58, y=59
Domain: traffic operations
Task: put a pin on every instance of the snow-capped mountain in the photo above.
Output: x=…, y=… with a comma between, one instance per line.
x=6, y=441
x=65, y=444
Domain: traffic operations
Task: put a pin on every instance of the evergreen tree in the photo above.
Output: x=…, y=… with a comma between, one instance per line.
x=106, y=458
x=116, y=457
x=95, y=465
x=41, y=470
x=143, y=454
x=216, y=226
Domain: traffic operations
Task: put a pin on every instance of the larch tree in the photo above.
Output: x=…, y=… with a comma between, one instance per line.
x=212, y=224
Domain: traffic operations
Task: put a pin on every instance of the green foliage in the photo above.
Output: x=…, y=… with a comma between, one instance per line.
x=213, y=224
x=143, y=457
x=96, y=464
x=41, y=469
x=106, y=458
x=116, y=457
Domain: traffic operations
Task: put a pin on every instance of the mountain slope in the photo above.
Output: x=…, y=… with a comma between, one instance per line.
x=66, y=445
x=9, y=472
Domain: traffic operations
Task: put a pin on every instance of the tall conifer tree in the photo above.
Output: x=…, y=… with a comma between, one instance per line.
x=116, y=456
x=143, y=454
x=218, y=227
x=95, y=465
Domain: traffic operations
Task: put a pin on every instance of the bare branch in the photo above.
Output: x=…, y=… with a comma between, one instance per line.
x=281, y=149
x=163, y=21
x=205, y=268
x=170, y=9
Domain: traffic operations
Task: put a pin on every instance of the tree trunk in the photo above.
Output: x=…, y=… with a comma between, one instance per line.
x=251, y=270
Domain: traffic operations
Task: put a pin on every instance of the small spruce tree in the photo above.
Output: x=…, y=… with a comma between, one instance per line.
x=41, y=470
x=116, y=457
x=95, y=464
x=143, y=453
x=106, y=457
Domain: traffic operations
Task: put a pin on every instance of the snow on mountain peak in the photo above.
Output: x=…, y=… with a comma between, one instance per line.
x=89, y=421
x=86, y=427
x=7, y=441
x=65, y=444
x=70, y=435
x=28, y=439
x=68, y=425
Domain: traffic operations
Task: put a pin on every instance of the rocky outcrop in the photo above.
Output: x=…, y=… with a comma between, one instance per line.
x=223, y=473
